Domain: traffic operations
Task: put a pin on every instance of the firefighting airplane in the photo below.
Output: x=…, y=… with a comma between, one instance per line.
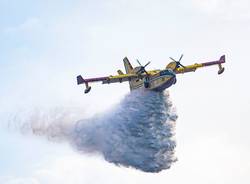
x=156, y=80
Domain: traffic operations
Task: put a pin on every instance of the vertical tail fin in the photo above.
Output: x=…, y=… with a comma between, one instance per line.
x=127, y=65
x=129, y=69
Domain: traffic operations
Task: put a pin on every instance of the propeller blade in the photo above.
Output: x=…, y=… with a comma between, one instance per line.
x=180, y=57
x=172, y=59
x=182, y=65
x=180, y=60
x=140, y=70
x=147, y=64
x=138, y=62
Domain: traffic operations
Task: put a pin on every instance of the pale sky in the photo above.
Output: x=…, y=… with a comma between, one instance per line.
x=44, y=45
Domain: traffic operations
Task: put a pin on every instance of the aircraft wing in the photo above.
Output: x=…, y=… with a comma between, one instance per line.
x=120, y=78
x=106, y=80
x=192, y=68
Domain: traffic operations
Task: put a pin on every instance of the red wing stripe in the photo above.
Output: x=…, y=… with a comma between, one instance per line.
x=222, y=60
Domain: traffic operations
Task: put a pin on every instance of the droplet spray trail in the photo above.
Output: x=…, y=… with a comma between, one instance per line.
x=138, y=132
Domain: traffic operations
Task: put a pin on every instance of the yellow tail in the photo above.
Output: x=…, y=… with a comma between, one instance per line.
x=127, y=65
x=129, y=69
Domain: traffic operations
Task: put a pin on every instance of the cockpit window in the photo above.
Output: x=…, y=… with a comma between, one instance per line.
x=165, y=72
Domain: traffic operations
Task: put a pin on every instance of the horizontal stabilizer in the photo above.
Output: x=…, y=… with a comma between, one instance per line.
x=120, y=72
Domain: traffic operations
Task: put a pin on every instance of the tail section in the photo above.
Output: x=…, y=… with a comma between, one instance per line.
x=120, y=72
x=129, y=69
x=127, y=65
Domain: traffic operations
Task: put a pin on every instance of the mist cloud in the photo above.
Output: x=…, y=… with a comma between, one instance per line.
x=138, y=132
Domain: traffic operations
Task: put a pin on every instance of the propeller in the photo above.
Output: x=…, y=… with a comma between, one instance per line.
x=142, y=69
x=178, y=62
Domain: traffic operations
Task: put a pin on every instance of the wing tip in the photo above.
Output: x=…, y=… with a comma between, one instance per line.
x=223, y=59
x=80, y=80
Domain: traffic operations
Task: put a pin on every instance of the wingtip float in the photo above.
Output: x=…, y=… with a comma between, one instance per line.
x=156, y=80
